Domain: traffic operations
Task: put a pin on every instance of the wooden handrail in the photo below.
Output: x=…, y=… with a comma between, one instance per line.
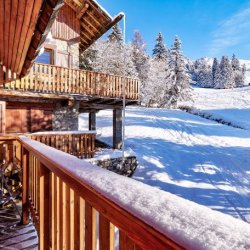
x=44, y=78
x=79, y=144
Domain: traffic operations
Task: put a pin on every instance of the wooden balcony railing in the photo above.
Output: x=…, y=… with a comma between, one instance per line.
x=75, y=205
x=52, y=79
x=80, y=144
x=67, y=210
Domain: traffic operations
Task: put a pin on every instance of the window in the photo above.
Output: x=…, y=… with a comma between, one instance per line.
x=45, y=57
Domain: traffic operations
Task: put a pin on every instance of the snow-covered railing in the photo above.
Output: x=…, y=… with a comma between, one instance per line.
x=78, y=143
x=70, y=200
x=44, y=78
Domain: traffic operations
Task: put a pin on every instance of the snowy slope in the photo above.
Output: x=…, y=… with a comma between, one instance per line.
x=189, y=156
x=231, y=105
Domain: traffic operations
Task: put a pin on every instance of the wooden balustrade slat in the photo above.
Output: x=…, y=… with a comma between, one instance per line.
x=25, y=194
x=44, y=207
x=125, y=243
x=81, y=220
x=66, y=216
x=54, y=211
x=60, y=236
x=106, y=234
x=90, y=227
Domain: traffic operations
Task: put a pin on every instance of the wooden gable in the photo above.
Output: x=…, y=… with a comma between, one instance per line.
x=94, y=20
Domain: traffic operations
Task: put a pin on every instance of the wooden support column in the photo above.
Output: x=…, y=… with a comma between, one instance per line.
x=117, y=128
x=2, y=117
x=44, y=207
x=25, y=193
x=92, y=120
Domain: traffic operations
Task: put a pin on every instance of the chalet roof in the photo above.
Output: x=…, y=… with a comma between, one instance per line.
x=94, y=20
x=23, y=28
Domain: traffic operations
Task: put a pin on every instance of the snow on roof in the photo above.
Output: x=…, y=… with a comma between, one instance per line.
x=191, y=225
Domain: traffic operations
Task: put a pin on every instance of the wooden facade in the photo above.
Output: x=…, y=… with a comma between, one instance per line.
x=66, y=25
x=28, y=117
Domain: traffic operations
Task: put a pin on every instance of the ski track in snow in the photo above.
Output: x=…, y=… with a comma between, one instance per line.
x=189, y=156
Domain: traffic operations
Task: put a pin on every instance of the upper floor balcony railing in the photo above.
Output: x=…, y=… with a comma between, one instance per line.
x=51, y=79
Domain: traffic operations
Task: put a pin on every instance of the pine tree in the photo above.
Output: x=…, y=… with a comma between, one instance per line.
x=237, y=72
x=226, y=79
x=157, y=84
x=179, y=88
x=215, y=72
x=116, y=34
x=235, y=63
x=204, y=75
x=160, y=51
x=87, y=58
x=141, y=61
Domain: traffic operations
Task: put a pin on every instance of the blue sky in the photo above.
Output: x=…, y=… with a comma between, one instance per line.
x=206, y=27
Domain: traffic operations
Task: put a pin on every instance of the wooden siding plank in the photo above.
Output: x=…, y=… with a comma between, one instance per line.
x=13, y=24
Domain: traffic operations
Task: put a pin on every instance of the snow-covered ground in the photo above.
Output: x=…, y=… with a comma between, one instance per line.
x=192, y=157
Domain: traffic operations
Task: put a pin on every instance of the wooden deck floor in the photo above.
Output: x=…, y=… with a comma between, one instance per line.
x=14, y=236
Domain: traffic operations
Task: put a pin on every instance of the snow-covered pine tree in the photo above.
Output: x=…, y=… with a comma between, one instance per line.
x=226, y=74
x=141, y=61
x=160, y=51
x=157, y=84
x=110, y=58
x=88, y=57
x=243, y=70
x=116, y=34
x=237, y=72
x=204, y=74
x=180, y=87
x=215, y=72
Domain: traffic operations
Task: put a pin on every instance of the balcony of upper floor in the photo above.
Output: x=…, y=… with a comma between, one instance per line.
x=51, y=81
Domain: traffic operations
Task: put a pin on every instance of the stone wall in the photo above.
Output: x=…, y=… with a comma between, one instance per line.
x=65, y=118
x=115, y=165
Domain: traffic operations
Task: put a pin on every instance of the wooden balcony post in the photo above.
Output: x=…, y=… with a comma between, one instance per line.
x=117, y=128
x=92, y=120
x=25, y=193
x=44, y=208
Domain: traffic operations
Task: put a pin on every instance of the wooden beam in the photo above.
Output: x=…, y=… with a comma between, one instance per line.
x=82, y=10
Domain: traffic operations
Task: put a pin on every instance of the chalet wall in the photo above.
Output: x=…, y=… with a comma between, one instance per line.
x=66, y=25
x=65, y=118
x=28, y=117
x=65, y=38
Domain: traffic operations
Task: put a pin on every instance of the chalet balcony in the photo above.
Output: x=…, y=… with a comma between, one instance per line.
x=50, y=80
x=74, y=205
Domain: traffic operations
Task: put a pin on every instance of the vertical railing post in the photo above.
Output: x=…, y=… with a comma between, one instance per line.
x=44, y=208
x=25, y=193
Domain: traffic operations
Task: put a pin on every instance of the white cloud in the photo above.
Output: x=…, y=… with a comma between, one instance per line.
x=234, y=31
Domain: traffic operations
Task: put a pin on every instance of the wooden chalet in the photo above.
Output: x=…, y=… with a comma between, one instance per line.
x=41, y=85
x=68, y=200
